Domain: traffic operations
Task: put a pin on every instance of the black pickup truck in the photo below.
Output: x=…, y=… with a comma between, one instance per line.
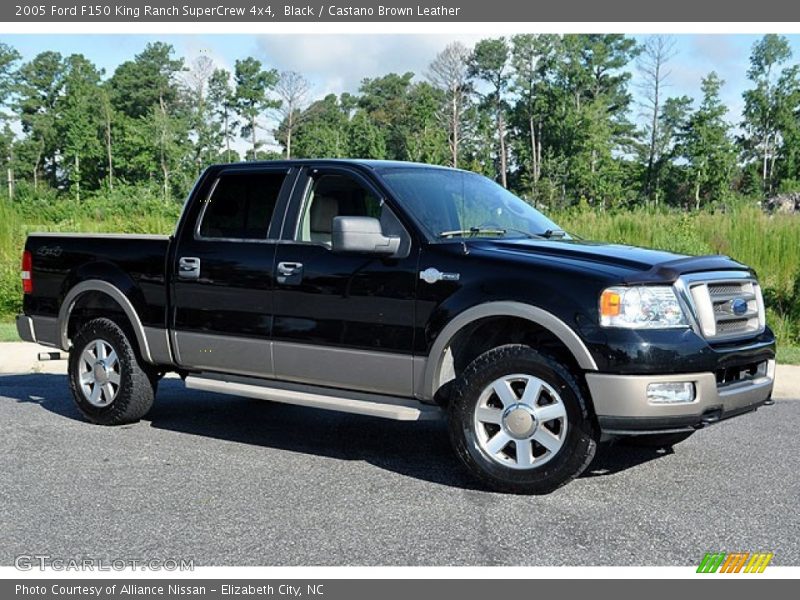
x=405, y=291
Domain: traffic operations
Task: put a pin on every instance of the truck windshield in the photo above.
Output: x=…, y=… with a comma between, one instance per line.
x=459, y=204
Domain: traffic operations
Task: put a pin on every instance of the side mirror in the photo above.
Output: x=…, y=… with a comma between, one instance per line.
x=362, y=235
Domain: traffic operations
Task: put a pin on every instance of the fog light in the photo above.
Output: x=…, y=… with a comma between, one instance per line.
x=670, y=393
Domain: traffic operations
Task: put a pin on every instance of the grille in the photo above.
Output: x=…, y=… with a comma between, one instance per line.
x=741, y=373
x=722, y=289
x=728, y=309
x=733, y=325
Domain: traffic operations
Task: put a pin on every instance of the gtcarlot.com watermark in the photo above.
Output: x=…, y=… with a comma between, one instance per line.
x=45, y=562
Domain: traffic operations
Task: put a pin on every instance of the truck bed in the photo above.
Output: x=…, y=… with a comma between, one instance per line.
x=136, y=264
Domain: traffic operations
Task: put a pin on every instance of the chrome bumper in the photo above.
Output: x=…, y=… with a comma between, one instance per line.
x=622, y=406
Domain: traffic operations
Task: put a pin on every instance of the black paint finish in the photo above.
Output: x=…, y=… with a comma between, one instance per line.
x=369, y=303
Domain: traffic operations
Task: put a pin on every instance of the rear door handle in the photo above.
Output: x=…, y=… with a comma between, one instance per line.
x=189, y=267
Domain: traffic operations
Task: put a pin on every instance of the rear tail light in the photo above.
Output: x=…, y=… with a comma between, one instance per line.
x=27, y=269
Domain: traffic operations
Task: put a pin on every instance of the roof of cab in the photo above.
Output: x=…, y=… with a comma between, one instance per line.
x=363, y=162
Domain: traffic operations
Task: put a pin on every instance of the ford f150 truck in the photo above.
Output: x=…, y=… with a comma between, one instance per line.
x=405, y=291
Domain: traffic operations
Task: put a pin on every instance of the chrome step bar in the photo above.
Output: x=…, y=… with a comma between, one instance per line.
x=359, y=403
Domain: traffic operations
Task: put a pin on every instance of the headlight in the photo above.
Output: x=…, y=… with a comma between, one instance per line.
x=641, y=307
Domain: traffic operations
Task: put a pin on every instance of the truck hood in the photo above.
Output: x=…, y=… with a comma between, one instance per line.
x=641, y=265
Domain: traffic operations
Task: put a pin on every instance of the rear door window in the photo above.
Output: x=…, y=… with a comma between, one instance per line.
x=241, y=206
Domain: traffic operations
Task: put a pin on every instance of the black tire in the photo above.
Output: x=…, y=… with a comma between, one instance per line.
x=579, y=442
x=135, y=391
x=657, y=440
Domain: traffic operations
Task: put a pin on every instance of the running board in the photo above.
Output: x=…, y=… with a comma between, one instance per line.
x=372, y=405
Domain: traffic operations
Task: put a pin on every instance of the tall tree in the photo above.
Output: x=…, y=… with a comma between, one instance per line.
x=222, y=98
x=8, y=60
x=489, y=62
x=207, y=130
x=386, y=102
x=365, y=139
x=449, y=72
x=152, y=117
x=169, y=131
x=253, y=84
x=39, y=85
x=588, y=124
x=532, y=60
x=424, y=140
x=672, y=121
x=149, y=80
x=766, y=101
x=108, y=118
x=292, y=89
x=652, y=65
x=78, y=120
x=787, y=170
x=707, y=147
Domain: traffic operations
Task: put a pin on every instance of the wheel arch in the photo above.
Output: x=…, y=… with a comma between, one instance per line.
x=435, y=370
x=105, y=290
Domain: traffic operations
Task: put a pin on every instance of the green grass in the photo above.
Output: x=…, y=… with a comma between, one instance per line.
x=789, y=355
x=8, y=332
x=124, y=210
x=768, y=243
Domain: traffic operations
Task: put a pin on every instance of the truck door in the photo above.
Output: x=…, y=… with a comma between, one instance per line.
x=222, y=279
x=342, y=320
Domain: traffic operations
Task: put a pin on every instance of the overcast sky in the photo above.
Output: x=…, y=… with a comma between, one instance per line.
x=337, y=63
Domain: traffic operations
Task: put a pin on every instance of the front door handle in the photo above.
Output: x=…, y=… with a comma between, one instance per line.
x=290, y=273
x=189, y=267
x=289, y=268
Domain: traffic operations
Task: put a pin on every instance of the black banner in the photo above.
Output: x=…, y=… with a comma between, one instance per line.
x=399, y=11
x=398, y=589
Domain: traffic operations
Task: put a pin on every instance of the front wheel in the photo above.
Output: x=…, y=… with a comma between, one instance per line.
x=109, y=382
x=519, y=421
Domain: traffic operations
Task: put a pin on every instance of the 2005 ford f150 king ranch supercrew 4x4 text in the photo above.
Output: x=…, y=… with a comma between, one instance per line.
x=405, y=291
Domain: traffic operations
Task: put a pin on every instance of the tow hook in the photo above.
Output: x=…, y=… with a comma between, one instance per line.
x=711, y=416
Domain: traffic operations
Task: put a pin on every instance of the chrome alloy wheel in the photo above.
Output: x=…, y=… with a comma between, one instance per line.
x=99, y=373
x=520, y=421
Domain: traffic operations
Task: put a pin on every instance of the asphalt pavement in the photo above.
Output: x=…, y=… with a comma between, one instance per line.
x=232, y=481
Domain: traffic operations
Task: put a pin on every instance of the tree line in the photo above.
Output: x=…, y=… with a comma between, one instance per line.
x=553, y=118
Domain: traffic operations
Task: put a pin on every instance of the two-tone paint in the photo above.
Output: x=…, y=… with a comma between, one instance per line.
x=355, y=322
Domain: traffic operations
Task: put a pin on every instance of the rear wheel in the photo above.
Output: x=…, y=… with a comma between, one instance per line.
x=657, y=440
x=110, y=384
x=519, y=422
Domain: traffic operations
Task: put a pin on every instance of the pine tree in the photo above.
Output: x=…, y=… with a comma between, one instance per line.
x=707, y=147
x=252, y=86
x=489, y=63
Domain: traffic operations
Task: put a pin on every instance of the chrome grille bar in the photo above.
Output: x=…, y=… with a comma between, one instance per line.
x=725, y=306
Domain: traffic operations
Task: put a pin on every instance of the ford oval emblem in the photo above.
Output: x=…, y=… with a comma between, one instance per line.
x=739, y=306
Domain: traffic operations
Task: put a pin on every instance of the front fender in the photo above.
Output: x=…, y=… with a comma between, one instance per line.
x=503, y=308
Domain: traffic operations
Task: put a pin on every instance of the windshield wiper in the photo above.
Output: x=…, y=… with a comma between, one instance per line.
x=473, y=231
x=554, y=234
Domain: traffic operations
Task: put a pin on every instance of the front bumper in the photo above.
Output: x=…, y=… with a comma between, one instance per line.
x=622, y=406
